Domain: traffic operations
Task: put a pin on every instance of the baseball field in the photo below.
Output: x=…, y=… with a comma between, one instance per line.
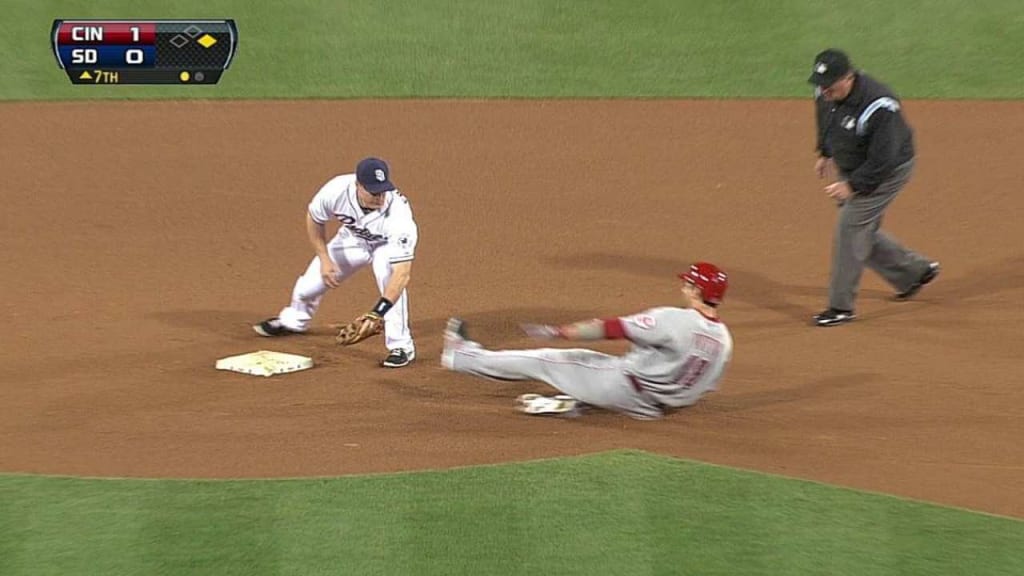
x=564, y=160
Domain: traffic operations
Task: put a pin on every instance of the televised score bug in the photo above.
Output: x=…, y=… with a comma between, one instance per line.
x=144, y=51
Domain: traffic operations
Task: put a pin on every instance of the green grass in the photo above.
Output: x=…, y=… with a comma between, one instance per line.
x=552, y=48
x=616, y=513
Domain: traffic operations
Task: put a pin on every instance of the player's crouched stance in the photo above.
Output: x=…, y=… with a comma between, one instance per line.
x=376, y=229
x=677, y=356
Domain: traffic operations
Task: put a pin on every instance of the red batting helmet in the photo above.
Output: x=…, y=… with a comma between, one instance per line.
x=709, y=278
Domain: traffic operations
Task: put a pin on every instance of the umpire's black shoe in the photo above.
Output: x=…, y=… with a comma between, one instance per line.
x=833, y=317
x=397, y=358
x=928, y=276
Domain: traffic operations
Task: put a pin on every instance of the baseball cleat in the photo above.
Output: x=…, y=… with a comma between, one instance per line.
x=271, y=327
x=833, y=317
x=454, y=337
x=398, y=358
x=538, y=405
x=929, y=275
x=456, y=328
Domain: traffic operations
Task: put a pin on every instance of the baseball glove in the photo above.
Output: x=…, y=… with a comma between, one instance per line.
x=363, y=327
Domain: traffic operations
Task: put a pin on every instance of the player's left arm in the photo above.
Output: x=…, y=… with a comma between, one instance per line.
x=401, y=250
x=401, y=273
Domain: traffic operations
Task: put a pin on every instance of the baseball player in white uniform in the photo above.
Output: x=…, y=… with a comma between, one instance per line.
x=377, y=229
x=677, y=356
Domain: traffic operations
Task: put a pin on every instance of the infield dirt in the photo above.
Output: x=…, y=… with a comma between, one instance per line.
x=141, y=239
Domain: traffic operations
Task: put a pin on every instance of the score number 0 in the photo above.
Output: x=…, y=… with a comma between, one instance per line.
x=88, y=55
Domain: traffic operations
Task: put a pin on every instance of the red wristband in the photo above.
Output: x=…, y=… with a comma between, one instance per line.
x=613, y=329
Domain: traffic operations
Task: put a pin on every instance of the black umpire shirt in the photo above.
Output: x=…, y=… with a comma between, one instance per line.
x=865, y=134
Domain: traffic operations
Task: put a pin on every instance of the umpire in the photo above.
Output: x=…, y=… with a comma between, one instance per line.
x=865, y=144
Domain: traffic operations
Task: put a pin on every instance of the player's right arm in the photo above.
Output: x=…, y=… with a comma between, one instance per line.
x=583, y=330
x=317, y=234
x=321, y=210
x=638, y=328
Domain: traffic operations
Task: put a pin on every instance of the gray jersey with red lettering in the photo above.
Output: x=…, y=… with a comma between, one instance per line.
x=678, y=355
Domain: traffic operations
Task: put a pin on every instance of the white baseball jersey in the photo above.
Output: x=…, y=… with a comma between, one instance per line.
x=678, y=355
x=392, y=226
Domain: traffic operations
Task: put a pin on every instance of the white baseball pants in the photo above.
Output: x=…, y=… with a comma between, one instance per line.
x=350, y=254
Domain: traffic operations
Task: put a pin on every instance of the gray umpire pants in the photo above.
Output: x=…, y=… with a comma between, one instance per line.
x=860, y=242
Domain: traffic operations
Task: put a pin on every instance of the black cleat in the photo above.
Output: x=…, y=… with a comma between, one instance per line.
x=398, y=358
x=271, y=327
x=833, y=317
x=928, y=276
x=456, y=327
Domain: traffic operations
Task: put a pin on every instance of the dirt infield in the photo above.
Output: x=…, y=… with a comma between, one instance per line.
x=142, y=239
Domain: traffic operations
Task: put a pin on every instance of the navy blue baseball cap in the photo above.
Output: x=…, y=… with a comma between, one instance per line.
x=374, y=175
x=829, y=66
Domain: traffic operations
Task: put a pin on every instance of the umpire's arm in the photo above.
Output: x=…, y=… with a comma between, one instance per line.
x=822, y=115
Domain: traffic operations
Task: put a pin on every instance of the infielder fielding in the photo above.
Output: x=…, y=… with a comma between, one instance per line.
x=376, y=228
x=677, y=356
x=862, y=131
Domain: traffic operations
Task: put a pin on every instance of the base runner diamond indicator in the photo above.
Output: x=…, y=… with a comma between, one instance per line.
x=178, y=41
x=206, y=41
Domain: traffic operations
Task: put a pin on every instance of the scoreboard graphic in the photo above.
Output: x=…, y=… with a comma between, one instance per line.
x=144, y=51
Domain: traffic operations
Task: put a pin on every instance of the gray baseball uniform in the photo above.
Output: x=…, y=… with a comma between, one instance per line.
x=677, y=356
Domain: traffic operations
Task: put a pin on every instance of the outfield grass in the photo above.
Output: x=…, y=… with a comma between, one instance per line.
x=616, y=513
x=552, y=48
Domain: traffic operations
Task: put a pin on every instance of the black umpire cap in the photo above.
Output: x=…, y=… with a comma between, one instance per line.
x=829, y=66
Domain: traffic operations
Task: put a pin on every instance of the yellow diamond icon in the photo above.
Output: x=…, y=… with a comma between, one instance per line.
x=206, y=41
